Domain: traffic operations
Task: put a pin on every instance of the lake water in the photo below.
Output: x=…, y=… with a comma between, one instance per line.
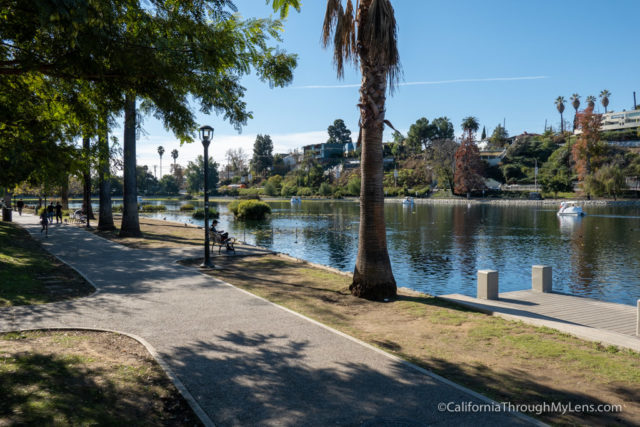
x=438, y=249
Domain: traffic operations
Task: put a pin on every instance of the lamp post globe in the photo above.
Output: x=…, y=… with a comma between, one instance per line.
x=206, y=134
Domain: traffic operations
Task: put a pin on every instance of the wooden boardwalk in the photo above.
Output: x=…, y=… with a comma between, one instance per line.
x=586, y=318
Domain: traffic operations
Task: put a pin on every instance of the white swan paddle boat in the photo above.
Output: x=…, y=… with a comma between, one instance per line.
x=295, y=200
x=567, y=208
x=408, y=201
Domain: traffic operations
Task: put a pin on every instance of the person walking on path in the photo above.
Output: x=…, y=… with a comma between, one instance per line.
x=44, y=220
x=50, y=211
x=20, y=205
x=58, y=213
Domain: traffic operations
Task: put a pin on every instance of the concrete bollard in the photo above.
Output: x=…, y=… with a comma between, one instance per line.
x=541, y=278
x=488, y=284
x=638, y=320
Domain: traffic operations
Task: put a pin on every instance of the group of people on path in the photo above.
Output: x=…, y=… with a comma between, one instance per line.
x=47, y=214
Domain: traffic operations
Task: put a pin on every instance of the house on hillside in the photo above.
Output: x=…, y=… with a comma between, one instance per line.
x=328, y=150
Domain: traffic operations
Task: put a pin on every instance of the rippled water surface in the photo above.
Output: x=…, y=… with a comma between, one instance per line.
x=438, y=248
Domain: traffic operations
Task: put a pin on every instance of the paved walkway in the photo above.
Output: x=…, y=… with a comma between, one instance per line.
x=244, y=360
x=587, y=318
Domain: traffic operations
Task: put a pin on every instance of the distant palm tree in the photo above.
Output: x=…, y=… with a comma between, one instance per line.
x=604, y=98
x=470, y=125
x=368, y=37
x=575, y=101
x=161, y=152
x=560, y=106
x=174, y=155
x=591, y=102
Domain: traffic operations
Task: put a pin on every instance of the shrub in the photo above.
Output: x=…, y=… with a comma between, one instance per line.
x=325, y=189
x=337, y=194
x=153, y=208
x=199, y=213
x=249, y=209
x=254, y=192
x=187, y=197
x=228, y=191
x=288, y=190
x=353, y=187
x=305, y=192
x=270, y=189
x=187, y=207
x=117, y=208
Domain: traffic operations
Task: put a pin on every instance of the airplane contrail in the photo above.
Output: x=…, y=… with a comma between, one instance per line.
x=434, y=82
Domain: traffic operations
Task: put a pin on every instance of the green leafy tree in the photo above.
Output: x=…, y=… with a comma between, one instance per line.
x=420, y=135
x=484, y=134
x=169, y=185
x=609, y=179
x=499, y=137
x=262, y=154
x=442, y=128
x=195, y=175
x=338, y=133
x=442, y=161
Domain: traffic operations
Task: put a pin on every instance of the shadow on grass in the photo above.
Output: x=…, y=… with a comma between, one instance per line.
x=57, y=390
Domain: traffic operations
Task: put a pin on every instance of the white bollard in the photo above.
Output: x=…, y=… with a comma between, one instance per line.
x=541, y=278
x=488, y=284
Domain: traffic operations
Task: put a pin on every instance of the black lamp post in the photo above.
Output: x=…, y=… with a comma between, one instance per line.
x=206, y=133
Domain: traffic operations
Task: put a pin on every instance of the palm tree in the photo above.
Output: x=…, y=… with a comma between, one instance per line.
x=368, y=37
x=470, y=125
x=130, y=226
x=560, y=106
x=575, y=101
x=604, y=98
x=174, y=155
x=591, y=102
x=161, y=152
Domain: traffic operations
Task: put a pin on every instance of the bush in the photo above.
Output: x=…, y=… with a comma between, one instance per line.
x=249, y=209
x=325, y=189
x=153, y=208
x=117, y=208
x=304, y=191
x=270, y=189
x=252, y=192
x=187, y=197
x=187, y=207
x=353, y=187
x=288, y=190
x=338, y=194
x=228, y=191
x=199, y=213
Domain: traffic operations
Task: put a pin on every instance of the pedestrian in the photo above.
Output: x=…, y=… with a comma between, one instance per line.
x=20, y=206
x=58, y=213
x=50, y=212
x=44, y=220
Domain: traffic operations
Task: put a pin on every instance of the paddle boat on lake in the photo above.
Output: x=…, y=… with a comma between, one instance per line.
x=408, y=201
x=568, y=208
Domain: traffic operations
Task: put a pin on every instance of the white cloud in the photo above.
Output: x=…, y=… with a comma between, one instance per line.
x=435, y=82
x=147, y=147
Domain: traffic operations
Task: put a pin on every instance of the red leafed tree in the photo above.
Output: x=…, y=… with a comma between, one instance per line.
x=468, y=173
x=587, y=147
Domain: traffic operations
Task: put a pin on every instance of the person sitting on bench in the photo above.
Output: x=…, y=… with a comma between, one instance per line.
x=224, y=236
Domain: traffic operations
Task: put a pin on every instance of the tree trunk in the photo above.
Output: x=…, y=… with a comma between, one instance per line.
x=86, y=177
x=130, y=222
x=105, y=218
x=561, y=123
x=372, y=277
x=64, y=193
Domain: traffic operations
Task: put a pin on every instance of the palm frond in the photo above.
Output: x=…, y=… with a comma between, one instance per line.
x=330, y=18
x=378, y=34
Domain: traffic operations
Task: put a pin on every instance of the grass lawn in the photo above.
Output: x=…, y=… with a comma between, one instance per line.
x=30, y=275
x=85, y=378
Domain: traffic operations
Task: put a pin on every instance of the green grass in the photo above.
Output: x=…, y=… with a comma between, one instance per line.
x=23, y=266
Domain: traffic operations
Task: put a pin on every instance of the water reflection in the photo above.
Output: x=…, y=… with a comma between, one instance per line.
x=438, y=248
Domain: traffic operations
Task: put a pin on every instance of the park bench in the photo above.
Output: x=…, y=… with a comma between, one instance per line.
x=78, y=218
x=216, y=240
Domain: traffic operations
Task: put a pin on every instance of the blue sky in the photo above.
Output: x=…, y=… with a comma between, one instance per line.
x=494, y=59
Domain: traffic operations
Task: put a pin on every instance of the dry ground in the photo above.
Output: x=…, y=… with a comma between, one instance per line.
x=84, y=378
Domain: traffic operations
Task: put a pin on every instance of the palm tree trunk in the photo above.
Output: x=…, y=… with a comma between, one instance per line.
x=561, y=123
x=105, y=218
x=130, y=222
x=372, y=277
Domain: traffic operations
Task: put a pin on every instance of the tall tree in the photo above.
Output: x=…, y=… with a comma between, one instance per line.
x=498, y=138
x=484, y=134
x=575, y=102
x=588, y=145
x=130, y=226
x=195, y=175
x=560, y=106
x=442, y=161
x=262, y=154
x=468, y=173
x=368, y=36
x=174, y=156
x=105, y=214
x=604, y=98
x=160, y=153
x=442, y=128
x=420, y=135
x=470, y=126
x=338, y=133
x=591, y=102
